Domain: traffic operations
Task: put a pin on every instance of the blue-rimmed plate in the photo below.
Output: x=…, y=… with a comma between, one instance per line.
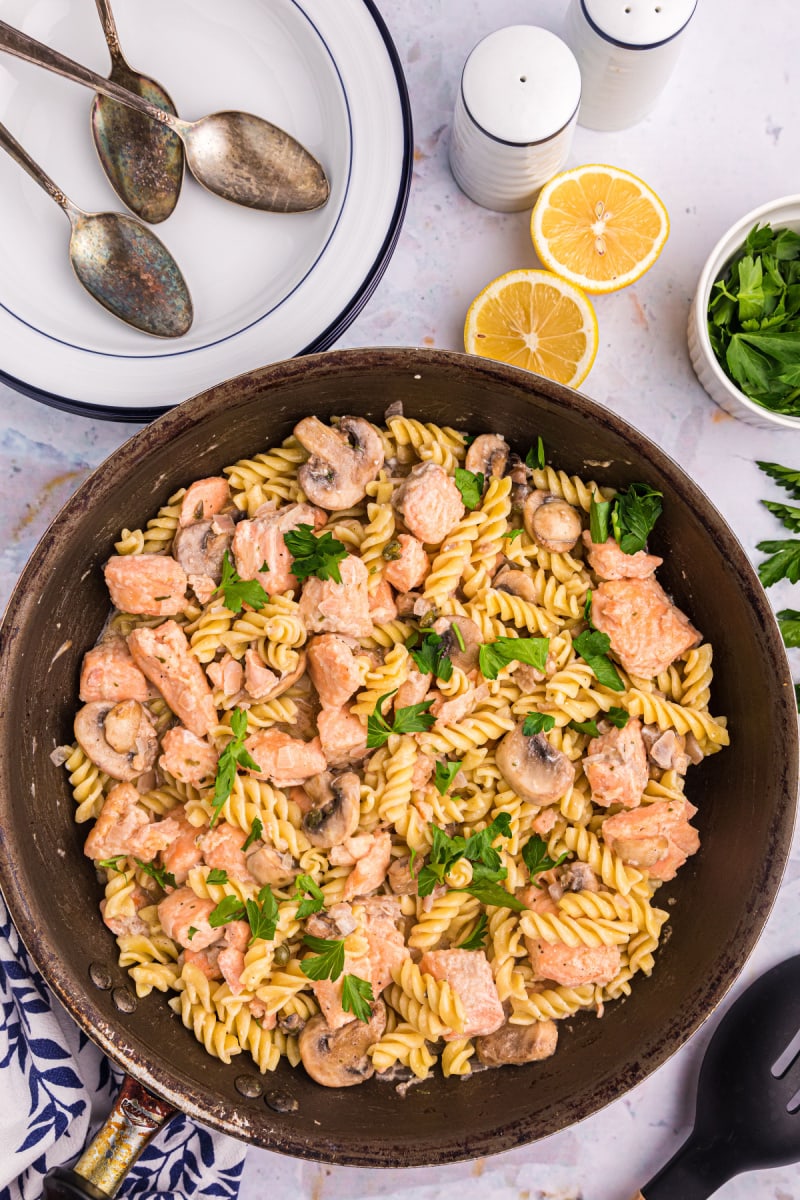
x=265, y=286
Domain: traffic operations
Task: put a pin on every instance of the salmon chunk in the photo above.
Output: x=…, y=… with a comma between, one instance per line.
x=285, y=760
x=572, y=966
x=122, y=925
x=183, y=853
x=206, y=961
x=109, y=673
x=334, y=669
x=164, y=656
x=647, y=631
x=470, y=976
x=380, y=917
x=411, y=568
x=222, y=848
x=188, y=757
x=429, y=502
x=610, y=562
x=412, y=691
x=182, y=912
x=330, y=607
x=259, y=548
x=370, y=869
x=119, y=825
x=231, y=956
x=342, y=736
x=382, y=608
x=151, y=585
x=204, y=499
x=227, y=675
x=259, y=680
x=616, y=766
x=656, y=838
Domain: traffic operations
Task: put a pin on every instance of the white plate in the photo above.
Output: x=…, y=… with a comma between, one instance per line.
x=265, y=286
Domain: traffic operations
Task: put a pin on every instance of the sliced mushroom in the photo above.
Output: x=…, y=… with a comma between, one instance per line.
x=337, y=808
x=537, y=771
x=462, y=650
x=517, y=1044
x=552, y=523
x=343, y=460
x=130, y=745
x=515, y=581
x=641, y=852
x=578, y=876
x=268, y=865
x=488, y=455
x=520, y=482
x=291, y=1023
x=338, y=1058
x=334, y=922
x=401, y=881
x=200, y=547
x=283, y=682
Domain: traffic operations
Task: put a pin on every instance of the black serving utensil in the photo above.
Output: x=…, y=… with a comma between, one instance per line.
x=748, y=1095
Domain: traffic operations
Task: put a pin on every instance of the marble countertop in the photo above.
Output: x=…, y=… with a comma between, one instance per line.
x=723, y=139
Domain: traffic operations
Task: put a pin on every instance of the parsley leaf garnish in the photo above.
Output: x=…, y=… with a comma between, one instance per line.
x=785, y=477
x=163, y=878
x=217, y=875
x=444, y=774
x=310, y=896
x=112, y=864
x=618, y=717
x=487, y=869
x=789, y=623
x=312, y=555
x=357, y=997
x=589, y=727
x=783, y=563
x=634, y=514
x=535, y=456
x=237, y=591
x=191, y=931
x=537, y=722
x=230, y=908
x=430, y=655
x=477, y=938
x=536, y=858
x=493, y=656
x=263, y=915
x=328, y=960
x=256, y=830
x=415, y=718
x=598, y=520
x=458, y=635
x=512, y=533
x=489, y=892
x=470, y=484
x=234, y=755
x=593, y=648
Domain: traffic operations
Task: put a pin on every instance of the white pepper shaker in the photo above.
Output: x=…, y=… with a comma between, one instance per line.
x=514, y=117
x=626, y=50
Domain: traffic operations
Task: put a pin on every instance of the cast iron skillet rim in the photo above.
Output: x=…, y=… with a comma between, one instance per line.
x=112, y=1039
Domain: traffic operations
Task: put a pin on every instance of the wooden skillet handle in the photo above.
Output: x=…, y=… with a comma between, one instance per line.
x=97, y=1175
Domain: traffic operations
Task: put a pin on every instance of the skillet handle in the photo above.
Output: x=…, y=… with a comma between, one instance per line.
x=97, y=1175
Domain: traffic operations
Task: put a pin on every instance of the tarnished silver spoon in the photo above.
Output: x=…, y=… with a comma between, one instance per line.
x=234, y=154
x=142, y=159
x=120, y=262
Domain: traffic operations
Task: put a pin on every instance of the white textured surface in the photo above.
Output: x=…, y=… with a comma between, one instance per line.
x=723, y=139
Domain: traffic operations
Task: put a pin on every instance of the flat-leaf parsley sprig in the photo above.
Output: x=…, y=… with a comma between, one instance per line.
x=234, y=755
x=415, y=718
x=237, y=591
x=314, y=555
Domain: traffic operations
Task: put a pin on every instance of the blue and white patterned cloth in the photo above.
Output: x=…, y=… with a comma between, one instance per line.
x=56, y=1087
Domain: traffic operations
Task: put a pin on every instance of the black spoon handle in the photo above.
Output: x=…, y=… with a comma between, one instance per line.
x=693, y=1173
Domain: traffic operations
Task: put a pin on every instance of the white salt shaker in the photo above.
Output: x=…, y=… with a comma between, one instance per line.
x=515, y=115
x=626, y=50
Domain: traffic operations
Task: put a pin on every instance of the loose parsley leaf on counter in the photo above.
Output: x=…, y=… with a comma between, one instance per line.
x=633, y=516
x=493, y=656
x=593, y=647
x=234, y=755
x=470, y=484
x=537, y=722
x=237, y=591
x=310, y=896
x=444, y=774
x=598, y=520
x=783, y=563
x=785, y=477
x=537, y=859
x=357, y=997
x=313, y=555
x=163, y=878
x=414, y=718
x=789, y=624
x=328, y=960
x=787, y=514
x=477, y=939
x=430, y=656
x=535, y=456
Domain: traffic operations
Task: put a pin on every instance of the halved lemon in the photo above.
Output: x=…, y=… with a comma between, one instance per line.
x=535, y=320
x=599, y=227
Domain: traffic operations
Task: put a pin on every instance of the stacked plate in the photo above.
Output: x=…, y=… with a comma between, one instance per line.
x=265, y=286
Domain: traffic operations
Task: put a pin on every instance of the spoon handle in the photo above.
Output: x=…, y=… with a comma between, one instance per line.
x=21, y=156
x=15, y=42
x=695, y=1172
x=109, y=29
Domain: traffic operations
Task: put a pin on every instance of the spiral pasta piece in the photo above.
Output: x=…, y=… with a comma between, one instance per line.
x=456, y=1056
x=668, y=715
x=433, y=925
x=404, y=1045
x=452, y=558
x=587, y=847
x=385, y=678
x=444, y=1003
x=88, y=785
x=551, y=1004
x=379, y=530
x=490, y=543
x=569, y=487
x=521, y=613
x=431, y=443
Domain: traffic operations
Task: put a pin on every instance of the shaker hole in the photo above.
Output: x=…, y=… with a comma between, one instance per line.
x=627, y=10
x=523, y=78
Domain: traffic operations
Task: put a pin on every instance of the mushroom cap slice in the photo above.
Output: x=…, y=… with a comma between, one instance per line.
x=338, y=1057
x=268, y=865
x=343, y=461
x=517, y=1044
x=337, y=808
x=515, y=581
x=488, y=455
x=552, y=522
x=537, y=771
x=465, y=659
x=129, y=724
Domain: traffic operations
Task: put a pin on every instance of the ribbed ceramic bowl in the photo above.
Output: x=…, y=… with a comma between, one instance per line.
x=745, y=796
x=780, y=214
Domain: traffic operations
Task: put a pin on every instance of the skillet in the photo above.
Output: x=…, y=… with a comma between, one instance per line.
x=746, y=795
